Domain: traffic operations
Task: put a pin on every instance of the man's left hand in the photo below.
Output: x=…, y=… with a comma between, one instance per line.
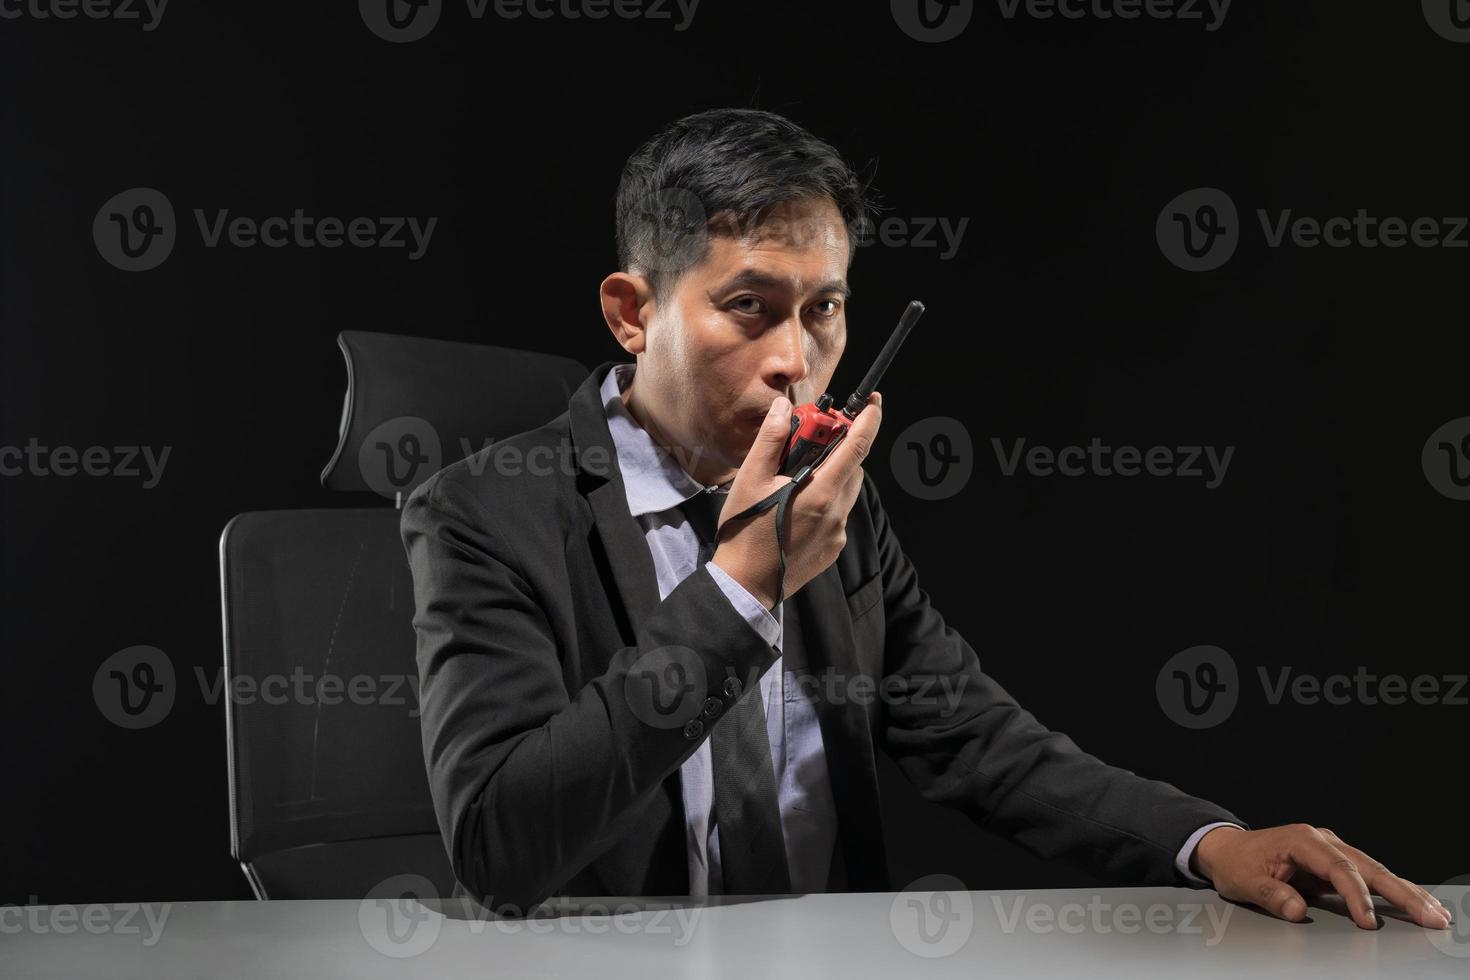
x=1267, y=867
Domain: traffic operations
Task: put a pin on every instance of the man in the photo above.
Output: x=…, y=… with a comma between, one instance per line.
x=614, y=700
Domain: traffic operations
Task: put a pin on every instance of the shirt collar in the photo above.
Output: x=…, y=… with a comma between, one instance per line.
x=652, y=480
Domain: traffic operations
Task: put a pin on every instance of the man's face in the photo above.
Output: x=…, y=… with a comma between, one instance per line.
x=764, y=315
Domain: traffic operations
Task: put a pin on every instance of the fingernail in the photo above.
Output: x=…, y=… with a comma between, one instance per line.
x=1293, y=908
x=780, y=406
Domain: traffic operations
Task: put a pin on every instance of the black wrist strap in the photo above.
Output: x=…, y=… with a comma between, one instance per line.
x=782, y=498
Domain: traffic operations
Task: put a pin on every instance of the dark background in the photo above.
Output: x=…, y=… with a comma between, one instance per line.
x=1325, y=549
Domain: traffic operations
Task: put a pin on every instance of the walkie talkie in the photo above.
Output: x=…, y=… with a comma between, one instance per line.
x=816, y=428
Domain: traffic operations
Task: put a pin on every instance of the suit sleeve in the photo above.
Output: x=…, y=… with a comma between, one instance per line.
x=985, y=755
x=531, y=783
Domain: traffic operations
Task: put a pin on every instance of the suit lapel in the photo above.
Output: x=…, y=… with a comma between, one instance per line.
x=627, y=553
x=625, y=548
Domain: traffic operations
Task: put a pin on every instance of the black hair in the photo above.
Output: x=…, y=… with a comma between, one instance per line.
x=721, y=168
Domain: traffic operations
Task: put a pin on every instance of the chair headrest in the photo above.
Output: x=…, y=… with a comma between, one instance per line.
x=415, y=405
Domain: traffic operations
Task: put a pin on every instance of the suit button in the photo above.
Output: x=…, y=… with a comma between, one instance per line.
x=732, y=687
x=712, y=707
x=693, y=728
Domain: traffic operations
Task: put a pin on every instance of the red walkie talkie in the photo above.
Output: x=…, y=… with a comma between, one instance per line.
x=816, y=429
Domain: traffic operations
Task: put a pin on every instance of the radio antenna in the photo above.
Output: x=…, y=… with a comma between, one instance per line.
x=859, y=398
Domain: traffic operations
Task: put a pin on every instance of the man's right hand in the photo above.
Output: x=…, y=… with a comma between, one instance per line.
x=816, y=526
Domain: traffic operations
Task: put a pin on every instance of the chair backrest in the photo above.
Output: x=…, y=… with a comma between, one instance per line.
x=328, y=793
x=414, y=406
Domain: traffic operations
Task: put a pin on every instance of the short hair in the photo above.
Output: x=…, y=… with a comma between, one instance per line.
x=723, y=169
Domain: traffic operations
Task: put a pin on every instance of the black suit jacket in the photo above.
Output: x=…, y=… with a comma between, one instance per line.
x=537, y=609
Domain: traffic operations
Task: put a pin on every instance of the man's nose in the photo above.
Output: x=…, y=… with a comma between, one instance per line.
x=787, y=363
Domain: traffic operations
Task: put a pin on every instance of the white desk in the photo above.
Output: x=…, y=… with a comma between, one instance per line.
x=1138, y=933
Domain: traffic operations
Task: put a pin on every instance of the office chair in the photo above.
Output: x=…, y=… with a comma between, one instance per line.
x=328, y=792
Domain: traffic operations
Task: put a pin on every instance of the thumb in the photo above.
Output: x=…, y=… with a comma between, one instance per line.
x=774, y=431
x=1276, y=897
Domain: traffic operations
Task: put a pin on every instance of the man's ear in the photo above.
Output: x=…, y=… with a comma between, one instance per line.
x=628, y=306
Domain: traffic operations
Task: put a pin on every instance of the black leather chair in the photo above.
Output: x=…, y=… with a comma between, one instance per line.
x=328, y=793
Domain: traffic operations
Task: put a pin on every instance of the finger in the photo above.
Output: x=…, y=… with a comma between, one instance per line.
x=858, y=442
x=1434, y=904
x=1423, y=907
x=844, y=486
x=847, y=494
x=774, y=433
x=1276, y=897
x=1431, y=900
x=1313, y=852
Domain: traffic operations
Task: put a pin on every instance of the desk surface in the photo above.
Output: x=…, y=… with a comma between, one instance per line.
x=1139, y=933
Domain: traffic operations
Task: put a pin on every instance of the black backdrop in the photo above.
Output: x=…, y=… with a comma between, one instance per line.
x=1326, y=547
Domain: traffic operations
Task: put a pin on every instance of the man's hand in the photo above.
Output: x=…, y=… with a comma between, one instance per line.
x=816, y=529
x=1263, y=866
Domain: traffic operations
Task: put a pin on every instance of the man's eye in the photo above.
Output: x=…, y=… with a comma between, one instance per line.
x=747, y=304
x=832, y=307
